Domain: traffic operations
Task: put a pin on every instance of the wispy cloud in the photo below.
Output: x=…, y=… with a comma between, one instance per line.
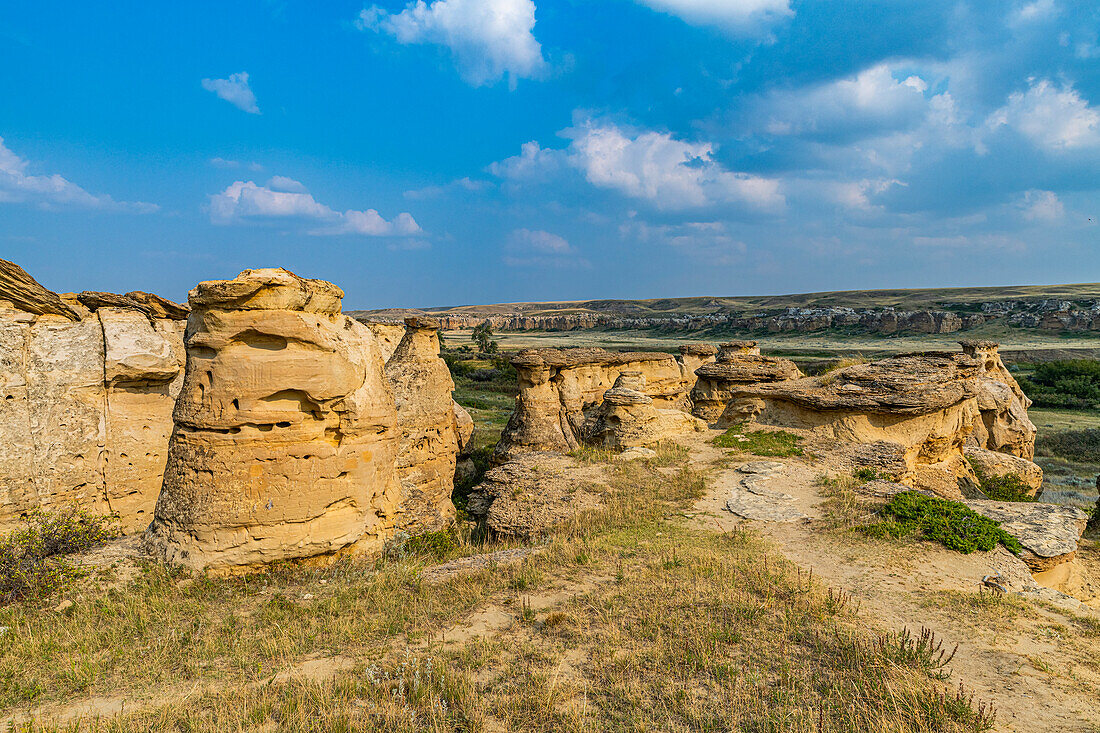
x=742, y=16
x=286, y=200
x=539, y=248
x=489, y=39
x=53, y=191
x=234, y=90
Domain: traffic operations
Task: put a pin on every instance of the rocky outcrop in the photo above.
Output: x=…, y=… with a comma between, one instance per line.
x=992, y=463
x=1049, y=533
x=1004, y=425
x=428, y=424
x=924, y=403
x=739, y=364
x=23, y=293
x=387, y=336
x=560, y=390
x=87, y=404
x=534, y=493
x=153, y=306
x=626, y=417
x=285, y=429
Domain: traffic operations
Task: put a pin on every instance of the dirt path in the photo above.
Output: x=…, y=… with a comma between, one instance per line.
x=1041, y=674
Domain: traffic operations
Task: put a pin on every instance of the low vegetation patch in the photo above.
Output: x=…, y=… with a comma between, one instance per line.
x=1006, y=487
x=1073, y=384
x=1082, y=446
x=777, y=444
x=33, y=561
x=952, y=524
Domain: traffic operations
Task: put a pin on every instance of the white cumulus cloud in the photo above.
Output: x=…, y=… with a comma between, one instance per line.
x=285, y=199
x=669, y=173
x=52, y=191
x=1053, y=118
x=234, y=90
x=489, y=39
x=1042, y=206
x=746, y=16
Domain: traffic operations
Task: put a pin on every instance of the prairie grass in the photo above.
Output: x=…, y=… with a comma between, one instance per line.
x=772, y=443
x=625, y=622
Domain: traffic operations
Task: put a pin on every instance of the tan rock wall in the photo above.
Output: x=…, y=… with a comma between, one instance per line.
x=1004, y=425
x=86, y=412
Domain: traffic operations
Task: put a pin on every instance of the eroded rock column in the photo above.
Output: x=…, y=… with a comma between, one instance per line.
x=427, y=420
x=285, y=439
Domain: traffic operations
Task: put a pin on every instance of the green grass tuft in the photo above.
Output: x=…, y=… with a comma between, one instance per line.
x=1007, y=487
x=952, y=524
x=778, y=444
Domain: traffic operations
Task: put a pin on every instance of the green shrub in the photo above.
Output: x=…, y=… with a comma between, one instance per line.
x=1073, y=384
x=1006, y=487
x=1073, y=445
x=777, y=444
x=866, y=473
x=482, y=459
x=950, y=523
x=32, y=558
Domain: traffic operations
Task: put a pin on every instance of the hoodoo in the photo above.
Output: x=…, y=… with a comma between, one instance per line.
x=285, y=430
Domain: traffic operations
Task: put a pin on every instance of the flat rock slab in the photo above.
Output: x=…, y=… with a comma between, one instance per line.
x=1046, y=530
x=751, y=506
x=474, y=563
x=633, y=454
x=757, y=484
x=882, y=489
x=761, y=467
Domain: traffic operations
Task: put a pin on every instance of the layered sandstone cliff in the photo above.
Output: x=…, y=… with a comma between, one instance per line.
x=87, y=393
x=285, y=433
x=923, y=405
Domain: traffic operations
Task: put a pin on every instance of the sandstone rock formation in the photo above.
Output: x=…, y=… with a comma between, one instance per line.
x=87, y=403
x=1004, y=424
x=1048, y=532
x=992, y=463
x=387, y=335
x=533, y=493
x=626, y=417
x=427, y=421
x=739, y=364
x=924, y=403
x=560, y=390
x=23, y=293
x=464, y=427
x=153, y=306
x=285, y=430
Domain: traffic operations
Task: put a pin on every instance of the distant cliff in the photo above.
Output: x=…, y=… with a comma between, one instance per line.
x=949, y=317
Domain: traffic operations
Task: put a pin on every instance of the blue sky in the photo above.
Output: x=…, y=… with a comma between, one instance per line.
x=472, y=151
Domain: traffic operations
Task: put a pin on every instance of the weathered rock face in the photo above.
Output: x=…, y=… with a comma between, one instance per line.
x=626, y=418
x=87, y=406
x=560, y=390
x=427, y=421
x=387, y=336
x=925, y=403
x=739, y=364
x=533, y=493
x=285, y=429
x=23, y=293
x=992, y=463
x=1048, y=532
x=1004, y=425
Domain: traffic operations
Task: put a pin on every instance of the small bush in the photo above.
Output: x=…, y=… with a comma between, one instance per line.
x=1082, y=446
x=1006, y=487
x=952, y=524
x=482, y=460
x=1073, y=384
x=866, y=473
x=776, y=444
x=32, y=559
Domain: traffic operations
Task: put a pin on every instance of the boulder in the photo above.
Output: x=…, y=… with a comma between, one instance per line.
x=925, y=403
x=285, y=432
x=1004, y=425
x=26, y=294
x=464, y=427
x=422, y=388
x=1049, y=533
x=561, y=389
x=992, y=463
x=533, y=494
